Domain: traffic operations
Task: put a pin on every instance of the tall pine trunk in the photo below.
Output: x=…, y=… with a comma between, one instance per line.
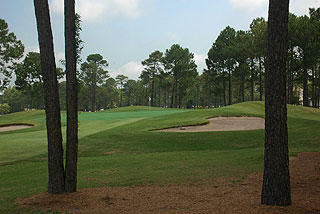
x=72, y=99
x=276, y=178
x=51, y=96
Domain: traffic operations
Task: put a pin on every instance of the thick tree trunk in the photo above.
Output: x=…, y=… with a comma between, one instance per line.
x=276, y=178
x=72, y=98
x=51, y=96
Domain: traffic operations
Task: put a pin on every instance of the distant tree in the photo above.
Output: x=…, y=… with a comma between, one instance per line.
x=276, y=178
x=29, y=79
x=153, y=67
x=181, y=66
x=109, y=95
x=258, y=32
x=15, y=99
x=216, y=71
x=130, y=87
x=225, y=43
x=221, y=58
x=121, y=81
x=243, y=70
x=94, y=74
x=52, y=108
x=11, y=50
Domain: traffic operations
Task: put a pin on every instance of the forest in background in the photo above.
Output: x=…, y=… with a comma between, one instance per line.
x=170, y=79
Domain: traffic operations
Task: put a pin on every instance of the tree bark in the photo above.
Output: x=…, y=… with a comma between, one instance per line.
x=51, y=97
x=72, y=98
x=276, y=178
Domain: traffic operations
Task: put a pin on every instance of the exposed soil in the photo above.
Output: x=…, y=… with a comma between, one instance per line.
x=223, y=124
x=13, y=127
x=223, y=196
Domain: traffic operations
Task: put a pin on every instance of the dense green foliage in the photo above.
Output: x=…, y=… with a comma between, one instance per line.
x=116, y=148
x=11, y=50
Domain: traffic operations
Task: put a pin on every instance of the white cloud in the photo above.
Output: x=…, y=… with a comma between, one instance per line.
x=248, y=4
x=131, y=70
x=301, y=7
x=129, y=8
x=91, y=10
x=28, y=49
x=57, y=5
x=200, y=60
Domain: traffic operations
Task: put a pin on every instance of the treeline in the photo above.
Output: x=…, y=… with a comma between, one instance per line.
x=234, y=73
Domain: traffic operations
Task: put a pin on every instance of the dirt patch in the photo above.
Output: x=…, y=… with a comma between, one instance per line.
x=205, y=197
x=223, y=124
x=14, y=127
x=110, y=153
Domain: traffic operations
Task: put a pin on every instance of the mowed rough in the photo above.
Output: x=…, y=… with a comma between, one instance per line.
x=212, y=196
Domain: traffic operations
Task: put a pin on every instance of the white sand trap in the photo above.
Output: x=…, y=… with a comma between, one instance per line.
x=223, y=124
x=14, y=127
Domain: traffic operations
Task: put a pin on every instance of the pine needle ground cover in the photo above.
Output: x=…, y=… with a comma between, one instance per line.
x=117, y=148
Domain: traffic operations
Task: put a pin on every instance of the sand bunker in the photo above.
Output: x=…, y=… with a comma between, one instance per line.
x=14, y=127
x=223, y=124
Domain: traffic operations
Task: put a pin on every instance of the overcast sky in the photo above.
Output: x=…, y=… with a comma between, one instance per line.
x=125, y=32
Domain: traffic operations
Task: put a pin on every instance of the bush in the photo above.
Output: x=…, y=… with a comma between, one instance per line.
x=4, y=108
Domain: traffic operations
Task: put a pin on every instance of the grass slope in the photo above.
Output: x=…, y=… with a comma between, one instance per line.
x=117, y=148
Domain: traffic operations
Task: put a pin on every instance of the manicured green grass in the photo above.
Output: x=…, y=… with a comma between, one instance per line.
x=117, y=148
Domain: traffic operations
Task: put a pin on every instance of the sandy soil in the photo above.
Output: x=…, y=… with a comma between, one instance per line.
x=13, y=127
x=222, y=196
x=223, y=124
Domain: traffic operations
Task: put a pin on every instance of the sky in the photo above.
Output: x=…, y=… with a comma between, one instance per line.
x=125, y=32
